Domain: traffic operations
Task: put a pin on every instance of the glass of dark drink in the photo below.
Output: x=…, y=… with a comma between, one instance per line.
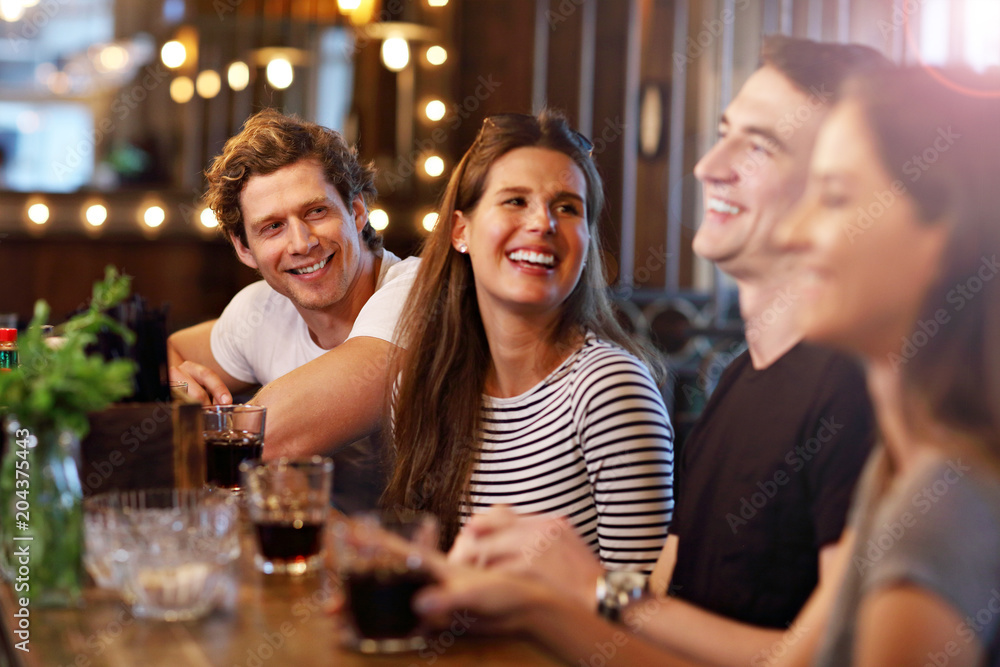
x=288, y=501
x=380, y=562
x=232, y=434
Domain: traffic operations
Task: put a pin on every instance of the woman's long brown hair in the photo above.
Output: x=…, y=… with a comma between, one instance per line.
x=939, y=137
x=442, y=367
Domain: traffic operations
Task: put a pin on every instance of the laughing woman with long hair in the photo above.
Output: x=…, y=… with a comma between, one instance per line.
x=517, y=385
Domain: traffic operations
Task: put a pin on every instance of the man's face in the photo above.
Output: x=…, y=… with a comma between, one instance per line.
x=755, y=172
x=301, y=236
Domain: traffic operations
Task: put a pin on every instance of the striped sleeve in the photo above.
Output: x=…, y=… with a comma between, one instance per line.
x=627, y=443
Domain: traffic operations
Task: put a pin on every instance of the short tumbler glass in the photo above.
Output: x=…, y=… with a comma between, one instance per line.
x=288, y=501
x=232, y=434
x=379, y=555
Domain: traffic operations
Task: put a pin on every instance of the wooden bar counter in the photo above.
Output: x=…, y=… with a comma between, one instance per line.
x=265, y=619
x=269, y=620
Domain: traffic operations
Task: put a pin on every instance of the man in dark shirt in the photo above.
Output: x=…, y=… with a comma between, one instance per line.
x=765, y=483
x=765, y=477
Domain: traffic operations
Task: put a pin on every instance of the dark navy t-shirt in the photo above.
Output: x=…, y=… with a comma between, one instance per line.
x=764, y=481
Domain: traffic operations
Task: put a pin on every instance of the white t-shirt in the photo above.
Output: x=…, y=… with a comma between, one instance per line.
x=260, y=335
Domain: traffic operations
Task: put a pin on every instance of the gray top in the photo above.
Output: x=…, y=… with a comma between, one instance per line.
x=937, y=528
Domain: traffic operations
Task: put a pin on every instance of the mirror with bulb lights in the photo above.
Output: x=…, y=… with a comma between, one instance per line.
x=113, y=108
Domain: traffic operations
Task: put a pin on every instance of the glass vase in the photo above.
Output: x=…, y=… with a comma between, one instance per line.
x=41, y=514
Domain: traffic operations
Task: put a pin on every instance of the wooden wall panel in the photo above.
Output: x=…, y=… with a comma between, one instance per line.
x=197, y=278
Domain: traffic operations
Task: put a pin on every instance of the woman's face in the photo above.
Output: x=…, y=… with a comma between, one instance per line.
x=864, y=259
x=527, y=236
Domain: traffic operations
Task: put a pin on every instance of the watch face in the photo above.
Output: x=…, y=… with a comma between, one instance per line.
x=617, y=590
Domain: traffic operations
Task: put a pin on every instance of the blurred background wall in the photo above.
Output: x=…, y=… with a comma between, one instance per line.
x=110, y=110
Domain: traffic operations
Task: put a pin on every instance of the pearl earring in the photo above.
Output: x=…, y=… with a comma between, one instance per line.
x=462, y=248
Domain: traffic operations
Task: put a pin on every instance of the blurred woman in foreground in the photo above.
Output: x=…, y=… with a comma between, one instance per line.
x=517, y=385
x=898, y=237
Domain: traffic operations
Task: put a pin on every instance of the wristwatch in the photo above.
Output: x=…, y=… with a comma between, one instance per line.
x=616, y=589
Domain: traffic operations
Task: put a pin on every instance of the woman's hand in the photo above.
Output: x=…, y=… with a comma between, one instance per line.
x=542, y=548
x=484, y=601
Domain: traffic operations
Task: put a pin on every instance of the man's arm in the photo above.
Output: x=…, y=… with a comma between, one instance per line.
x=663, y=572
x=909, y=625
x=189, y=355
x=712, y=639
x=333, y=400
x=502, y=601
x=497, y=539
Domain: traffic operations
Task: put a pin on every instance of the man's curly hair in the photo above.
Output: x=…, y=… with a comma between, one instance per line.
x=271, y=140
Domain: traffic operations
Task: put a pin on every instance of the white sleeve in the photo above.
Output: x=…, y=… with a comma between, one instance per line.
x=234, y=332
x=379, y=316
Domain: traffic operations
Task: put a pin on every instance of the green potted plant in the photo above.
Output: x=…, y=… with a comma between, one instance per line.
x=46, y=400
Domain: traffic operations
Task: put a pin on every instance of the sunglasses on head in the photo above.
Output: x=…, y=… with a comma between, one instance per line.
x=501, y=120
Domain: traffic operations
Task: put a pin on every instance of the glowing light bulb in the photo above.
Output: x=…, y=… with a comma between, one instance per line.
x=154, y=216
x=207, y=219
x=430, y=221
x=11, y=10
x=38, y=213
x=378, y=219
x=112, y=58
x=96, y=215
x=238, y=75
x=173, y=54
x=395, y=53
x=208, y=84
x=437, y=55
x=434, y=166
x=280, y=73
x=181, y=89
x=435, y=110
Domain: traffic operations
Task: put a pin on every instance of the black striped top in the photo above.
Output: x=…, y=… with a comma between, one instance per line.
x=592, y=442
